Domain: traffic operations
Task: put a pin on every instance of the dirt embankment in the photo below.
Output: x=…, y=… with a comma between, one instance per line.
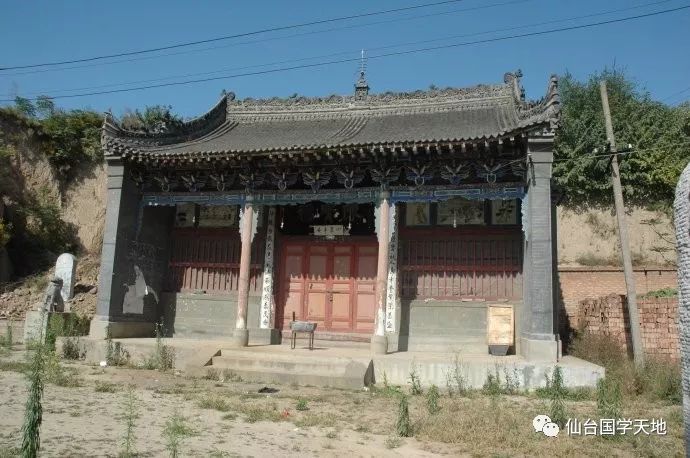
x=81, y=200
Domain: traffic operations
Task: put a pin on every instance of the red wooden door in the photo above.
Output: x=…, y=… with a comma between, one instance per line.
x=330, y=283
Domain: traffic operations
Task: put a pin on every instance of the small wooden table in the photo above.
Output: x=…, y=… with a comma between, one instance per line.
x=302, y=326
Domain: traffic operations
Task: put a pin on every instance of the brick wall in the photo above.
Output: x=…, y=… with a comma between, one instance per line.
x=579, y=283
x=608, y=316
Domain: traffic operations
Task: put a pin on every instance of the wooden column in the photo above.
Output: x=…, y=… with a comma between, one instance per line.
x=241, y=336
x=379, y=342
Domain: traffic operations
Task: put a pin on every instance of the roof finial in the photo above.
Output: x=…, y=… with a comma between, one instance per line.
x=362, y=87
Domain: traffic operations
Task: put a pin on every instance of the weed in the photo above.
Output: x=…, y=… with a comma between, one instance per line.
x=58, y=375
x=70, y=348
x=458, y=377
x=105, y=387
x=492, y=385
x=660, y=379
x=302, y=404
x=512, y=381
x=392, y=442
x=609, y=398
x=14, y=366
x=114, y=354
x=557, y=390
x=325, y=421
x=175, y=431
x=163, y=357
x=332, y=434
x=663, y=292
x=212, y=374
x=230, y=416
x=415, y=384
x=7, y=340
x=214, y=402
x=130, y=417
x=33, y=414
x=254, y=413
x=432, y=397
x=230, y=376
x=403, y=427
x=362, y=429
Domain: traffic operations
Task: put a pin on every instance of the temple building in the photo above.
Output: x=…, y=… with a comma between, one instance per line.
x=396, y=219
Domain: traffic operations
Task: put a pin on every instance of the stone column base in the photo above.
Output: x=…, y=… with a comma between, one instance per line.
x=100, y=327
x=262, y=336
x=379, y=345
x=240, y=338
x=539, y=350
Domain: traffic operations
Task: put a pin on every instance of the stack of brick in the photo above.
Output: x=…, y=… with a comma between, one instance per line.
x=608, y=316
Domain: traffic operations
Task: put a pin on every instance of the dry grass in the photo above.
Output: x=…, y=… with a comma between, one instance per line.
x=484, y=427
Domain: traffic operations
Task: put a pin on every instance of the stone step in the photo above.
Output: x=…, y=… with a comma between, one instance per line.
x=288, y=367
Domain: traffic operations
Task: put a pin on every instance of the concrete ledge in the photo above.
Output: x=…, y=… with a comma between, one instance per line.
x=529, y=374
x=120, y=329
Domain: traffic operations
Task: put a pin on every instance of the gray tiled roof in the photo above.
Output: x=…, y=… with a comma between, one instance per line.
x=265, y=125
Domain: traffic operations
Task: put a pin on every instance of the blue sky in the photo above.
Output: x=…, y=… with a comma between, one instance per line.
x=653, y=50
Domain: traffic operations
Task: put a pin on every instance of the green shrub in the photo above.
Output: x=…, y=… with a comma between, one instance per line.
x=163, y=357
x=492, y=384
x=661, y=379
x=130, y=416
x=302, y=404
x=403, y=427
x=664, y=292
x=432, y=397
x=175, y=431
x=33, y=414
x=415, y=383
x=557, y=391
x=609, y=398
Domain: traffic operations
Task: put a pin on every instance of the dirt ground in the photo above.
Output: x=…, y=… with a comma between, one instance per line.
x=230, y=418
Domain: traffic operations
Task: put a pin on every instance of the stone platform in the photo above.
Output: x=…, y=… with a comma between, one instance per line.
x=346, y=364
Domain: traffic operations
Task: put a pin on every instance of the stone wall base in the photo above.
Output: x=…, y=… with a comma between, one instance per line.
x=120, y=329
x=540, y=350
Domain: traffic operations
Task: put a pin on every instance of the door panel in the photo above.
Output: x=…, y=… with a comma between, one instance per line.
x=325, y=283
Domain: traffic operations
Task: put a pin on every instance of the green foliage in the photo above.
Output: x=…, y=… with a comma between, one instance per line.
x=432, y=397
x=153, y=119
x=44, y=228
x=163, y=357
x=609, y=398
x=660, y=133
x=130, y=416
x=663, y=292
x=557, y=392
x=176, y=429
x=302, y=404
x=456, y=381
x=415, y=383
x=33, y=414
x=115, y=355
x=403, y=427
x=73, y=136
x=492, y=384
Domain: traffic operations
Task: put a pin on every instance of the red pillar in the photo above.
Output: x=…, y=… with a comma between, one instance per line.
x=241, y=335
x=379, y=342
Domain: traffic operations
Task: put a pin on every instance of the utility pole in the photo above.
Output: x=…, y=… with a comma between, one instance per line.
x=633, y=313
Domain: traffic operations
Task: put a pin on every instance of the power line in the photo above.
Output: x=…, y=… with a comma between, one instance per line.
x=228, y=37
x=380, y=56
x=675, y=94
x=323, y=56
x=504, y=29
